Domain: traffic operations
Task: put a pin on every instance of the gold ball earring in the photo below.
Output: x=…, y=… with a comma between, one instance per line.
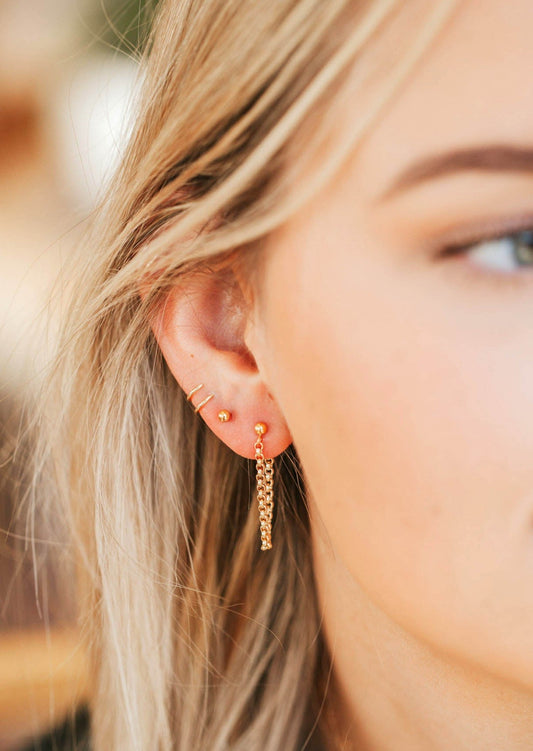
x=265, y=487
x=224, y=415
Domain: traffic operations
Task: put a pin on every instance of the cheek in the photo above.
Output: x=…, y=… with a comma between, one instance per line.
x=413, y=429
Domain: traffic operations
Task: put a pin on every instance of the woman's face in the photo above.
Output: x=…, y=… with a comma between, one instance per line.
x=405, y=376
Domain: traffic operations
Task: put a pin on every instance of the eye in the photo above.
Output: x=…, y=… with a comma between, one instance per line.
x=506, y=253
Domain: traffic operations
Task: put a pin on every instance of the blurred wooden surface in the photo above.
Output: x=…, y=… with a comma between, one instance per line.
x=42, y=678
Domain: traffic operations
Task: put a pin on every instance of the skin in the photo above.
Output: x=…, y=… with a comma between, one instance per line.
x=404, y=380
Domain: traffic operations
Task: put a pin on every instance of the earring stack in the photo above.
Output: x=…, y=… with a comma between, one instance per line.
x=264, y=471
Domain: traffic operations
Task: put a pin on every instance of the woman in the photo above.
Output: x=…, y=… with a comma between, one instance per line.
x=317, y=251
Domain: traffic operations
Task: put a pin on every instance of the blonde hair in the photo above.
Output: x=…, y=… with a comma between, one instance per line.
x=199, y=640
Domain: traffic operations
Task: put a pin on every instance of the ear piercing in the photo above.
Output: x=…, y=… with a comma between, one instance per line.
x=192, y=392
x=264, y=471
x=223, y=415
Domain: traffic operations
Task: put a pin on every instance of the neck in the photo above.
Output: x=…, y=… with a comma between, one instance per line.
x=394, y=692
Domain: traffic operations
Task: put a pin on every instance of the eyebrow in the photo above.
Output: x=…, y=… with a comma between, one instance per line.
x=495, y=157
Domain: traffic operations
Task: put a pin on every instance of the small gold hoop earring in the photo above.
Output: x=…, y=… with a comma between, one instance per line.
x=203, y=403
x=265, y=487
x=193, y=391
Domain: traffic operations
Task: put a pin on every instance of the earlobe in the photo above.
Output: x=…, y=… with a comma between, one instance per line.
x=200, y=327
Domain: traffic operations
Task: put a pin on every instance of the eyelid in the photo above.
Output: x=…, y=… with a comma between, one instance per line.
x=491, y=229
x=472, y=273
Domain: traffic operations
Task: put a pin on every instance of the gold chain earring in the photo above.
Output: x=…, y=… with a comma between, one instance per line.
x=265, y=487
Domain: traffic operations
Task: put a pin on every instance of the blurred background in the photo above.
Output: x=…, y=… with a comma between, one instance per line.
x=68, y=77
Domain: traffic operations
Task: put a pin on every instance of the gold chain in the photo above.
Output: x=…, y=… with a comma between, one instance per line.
x=265, y=483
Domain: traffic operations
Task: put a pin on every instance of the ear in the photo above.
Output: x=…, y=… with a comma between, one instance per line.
x=201, y=328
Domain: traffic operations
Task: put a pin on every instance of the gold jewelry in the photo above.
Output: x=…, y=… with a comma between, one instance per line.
x=224, y=415
x=201, y=404
x=193, y=391
x=265, y=481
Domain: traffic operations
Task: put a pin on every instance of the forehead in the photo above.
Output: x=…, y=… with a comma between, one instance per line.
x=472, y=85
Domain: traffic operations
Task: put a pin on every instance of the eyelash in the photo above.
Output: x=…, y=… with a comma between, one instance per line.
x=473, y=270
